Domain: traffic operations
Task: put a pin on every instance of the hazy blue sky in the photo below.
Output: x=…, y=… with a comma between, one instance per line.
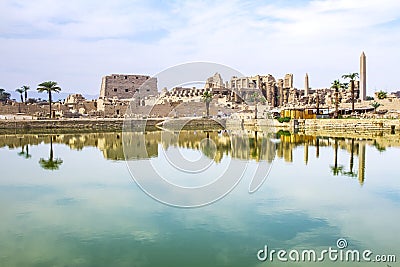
x=77, y=42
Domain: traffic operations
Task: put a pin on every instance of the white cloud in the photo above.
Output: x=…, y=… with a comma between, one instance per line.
x=78, y=42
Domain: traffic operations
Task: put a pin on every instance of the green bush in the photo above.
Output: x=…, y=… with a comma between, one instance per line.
x=283, y=119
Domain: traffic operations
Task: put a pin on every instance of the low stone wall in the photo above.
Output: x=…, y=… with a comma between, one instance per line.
x=87, y=125
x=28, y=109
x=70, y=125
x=187, y=124
x=350, y=125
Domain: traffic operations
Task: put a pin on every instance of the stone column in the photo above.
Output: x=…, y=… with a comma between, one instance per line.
x=363, y=77
x=306, y=85
x=280, y=92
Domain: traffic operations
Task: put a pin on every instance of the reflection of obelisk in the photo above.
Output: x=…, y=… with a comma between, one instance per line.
x=363, y=77
x=361, y=163
x=306, y=153
x=306, y=85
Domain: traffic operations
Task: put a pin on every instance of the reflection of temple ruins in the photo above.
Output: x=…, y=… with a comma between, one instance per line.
x=255, y=146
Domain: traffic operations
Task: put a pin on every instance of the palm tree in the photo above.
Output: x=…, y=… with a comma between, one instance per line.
x=25, y=88
x=20, y=91
x=4, y=96
x=336, y=85
x=52, y=163
x=351, y=77
x=49, y=87
x=375, y=105
x=382, y=94
x=207, y=97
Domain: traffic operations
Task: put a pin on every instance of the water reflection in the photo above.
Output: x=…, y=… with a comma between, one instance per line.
x=243, y=145
x=25, y=152
x=51, y=163
x=89, y=213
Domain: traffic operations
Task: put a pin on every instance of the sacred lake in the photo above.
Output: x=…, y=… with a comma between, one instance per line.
x=70, y=199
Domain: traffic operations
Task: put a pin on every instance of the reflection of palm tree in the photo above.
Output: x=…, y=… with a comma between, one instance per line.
x=51, y=163
x=336, y=169
x=254, y=146
x=208, y=148
x=351, y=173
x=25, y=152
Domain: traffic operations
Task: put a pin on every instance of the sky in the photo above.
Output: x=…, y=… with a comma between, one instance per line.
x=77, y=42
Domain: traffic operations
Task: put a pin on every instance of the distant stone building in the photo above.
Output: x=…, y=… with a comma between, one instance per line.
x=118, y=90
x=74, y=99
x=124, y=86
x=288, y=82
x=77, y=104
x=215, y=81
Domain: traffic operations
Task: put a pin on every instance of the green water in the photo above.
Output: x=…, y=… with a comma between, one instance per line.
x=69, y=200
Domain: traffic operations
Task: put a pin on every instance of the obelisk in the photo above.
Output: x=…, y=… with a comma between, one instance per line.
x=306, y=85
x=363, y=77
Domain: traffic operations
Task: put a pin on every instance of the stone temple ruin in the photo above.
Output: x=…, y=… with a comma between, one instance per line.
x=118, y=90
x=140, y=92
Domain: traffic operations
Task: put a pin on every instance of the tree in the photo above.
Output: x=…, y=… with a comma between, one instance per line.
x=20, y=91
x=49, y=87
x=351, y=77
x=207, y=98
x=382, y=94
x=336, y=85
x=52, y=163
x=375, y=105
x=4, y=96
x=25, y=88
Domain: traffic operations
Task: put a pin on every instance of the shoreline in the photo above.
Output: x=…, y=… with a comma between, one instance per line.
x=118, y=124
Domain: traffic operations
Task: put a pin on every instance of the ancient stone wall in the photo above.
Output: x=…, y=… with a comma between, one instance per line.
x=123, y=86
